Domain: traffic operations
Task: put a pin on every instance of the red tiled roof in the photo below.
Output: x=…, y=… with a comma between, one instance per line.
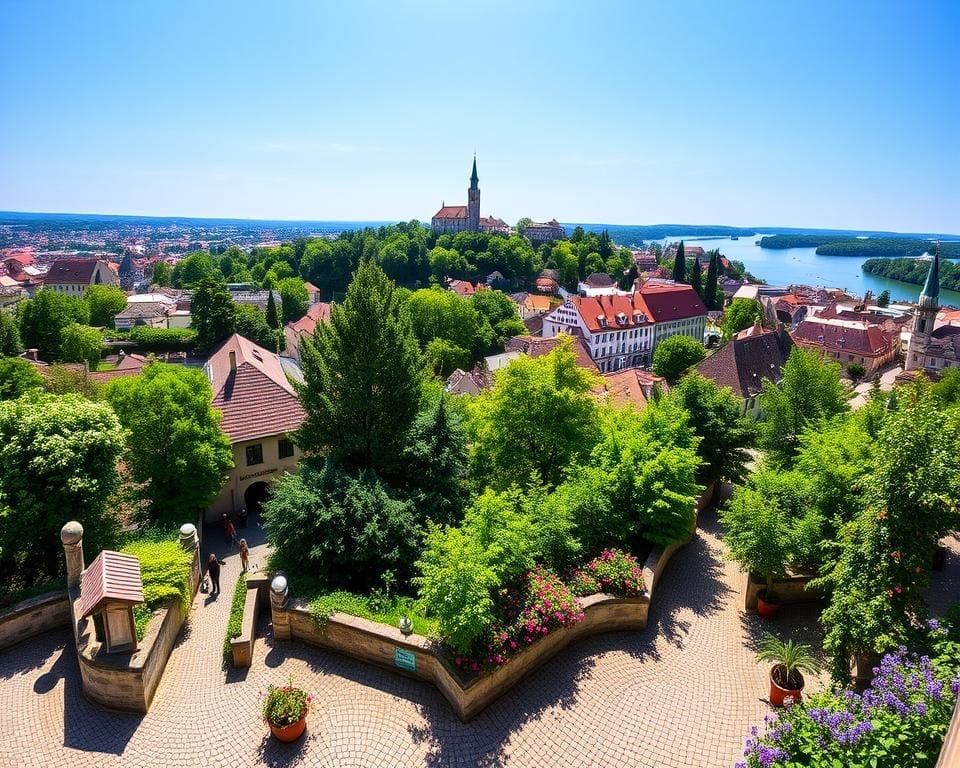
x=256, y=399
x=872, y=341
x=538, y=346
x=462, y=287
x=618, y=311
x=311, y=288
x=71, y=271
x=671, y=301
x=451, y=212
x=317, y=313
x=747, y=360
x=598, y=280
x=629, y=387
x=492, y=222
x=111, y=577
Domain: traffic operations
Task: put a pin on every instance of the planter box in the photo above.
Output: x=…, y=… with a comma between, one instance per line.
x=417, y=657
x=792, y=589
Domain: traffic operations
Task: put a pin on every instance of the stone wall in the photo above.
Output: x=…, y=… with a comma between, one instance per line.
x=792, y=589
x=33, y=616
x=950, y=752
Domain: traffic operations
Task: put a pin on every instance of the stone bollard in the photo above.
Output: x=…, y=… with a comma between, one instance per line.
x=278, y=607
x=188, y=537
x=71, y=536
x=190, y=542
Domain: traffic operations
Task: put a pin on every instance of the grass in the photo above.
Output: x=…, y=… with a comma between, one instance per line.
x=384, y=609
x=165, y=570
x=235, y=623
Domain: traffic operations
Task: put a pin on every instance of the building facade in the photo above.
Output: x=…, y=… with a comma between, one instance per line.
x=932, y=348
x=74, y=276
x=539, y=233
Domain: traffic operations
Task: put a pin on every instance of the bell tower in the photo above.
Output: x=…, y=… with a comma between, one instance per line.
x=473, y=200
x=927, y=307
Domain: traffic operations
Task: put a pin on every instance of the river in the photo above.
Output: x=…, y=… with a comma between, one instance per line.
x=804, y=266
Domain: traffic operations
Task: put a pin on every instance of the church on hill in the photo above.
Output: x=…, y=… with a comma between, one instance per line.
x=932, y=348
x=467, y=218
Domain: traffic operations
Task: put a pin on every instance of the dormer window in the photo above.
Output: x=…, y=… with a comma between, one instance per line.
x=621, y=318
x=602, y=320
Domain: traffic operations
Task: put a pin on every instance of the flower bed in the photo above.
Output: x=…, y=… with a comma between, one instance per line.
x=900, y=720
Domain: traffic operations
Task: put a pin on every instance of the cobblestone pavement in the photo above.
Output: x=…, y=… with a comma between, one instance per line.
x=682, y=693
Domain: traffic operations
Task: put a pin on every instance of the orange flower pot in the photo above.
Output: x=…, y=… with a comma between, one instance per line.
x=778, y=693
x=292, y=732
x=766, y=608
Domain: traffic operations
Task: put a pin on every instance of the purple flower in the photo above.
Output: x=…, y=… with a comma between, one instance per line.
x=933, y=625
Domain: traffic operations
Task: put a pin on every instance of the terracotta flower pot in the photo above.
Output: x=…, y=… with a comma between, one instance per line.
x=290, y=732
x=766, y=607
x=777, y=692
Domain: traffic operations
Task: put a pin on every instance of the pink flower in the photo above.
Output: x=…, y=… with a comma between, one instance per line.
x=513, y=644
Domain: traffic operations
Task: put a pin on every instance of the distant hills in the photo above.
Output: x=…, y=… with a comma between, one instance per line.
x=888, y=246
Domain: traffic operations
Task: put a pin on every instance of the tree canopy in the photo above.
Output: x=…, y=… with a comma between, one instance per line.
x=10, y=344
x=105, y=301
x=741, y=314
x=43, y=318
x=17, y=376
x=675, y=354
x=81, y=344
x=213, y=315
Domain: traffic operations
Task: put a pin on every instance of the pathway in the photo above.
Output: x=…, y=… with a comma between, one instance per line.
x=683, y=693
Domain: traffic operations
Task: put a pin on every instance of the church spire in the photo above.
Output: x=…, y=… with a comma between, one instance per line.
x=929, y=296
x=474, y=179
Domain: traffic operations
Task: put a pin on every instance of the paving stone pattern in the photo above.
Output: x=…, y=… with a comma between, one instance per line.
x=683, y=693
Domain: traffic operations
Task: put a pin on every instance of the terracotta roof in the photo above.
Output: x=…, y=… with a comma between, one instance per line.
x=871, y=341
x=611, y=313
x=130, y=362
x=311, y=288
x=111, y=577
x=599, y=280
x=317, y=313
x=493, y=222
x=462, y=382
x=462, y=287
x=630, y=386
x=256, y=399
x=451, y=212
x=945, y=331
x=746, y=361
x=538, y=346
x=71, y=271
x=534, y=324
x=141, y=310
x=671, y=301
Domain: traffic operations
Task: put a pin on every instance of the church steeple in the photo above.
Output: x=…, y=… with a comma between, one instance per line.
x=474, y=179
x=930, y=295
x=473, y=200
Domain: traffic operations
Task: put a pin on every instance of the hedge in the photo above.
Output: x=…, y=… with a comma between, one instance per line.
x=164, y=339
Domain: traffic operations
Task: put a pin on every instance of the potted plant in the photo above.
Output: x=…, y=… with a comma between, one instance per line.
x=790, y=660
x=285, y=710
x=758, y=537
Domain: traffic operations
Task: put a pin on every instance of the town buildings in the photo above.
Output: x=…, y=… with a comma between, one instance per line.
x=598, y=284
x=629, y=387
x=260, y=409
x=74, y=276
x=622, y=330
x=544, y=232
x=869, y=346
x=752, y=356
x=932, y=347
x=295, y=330
x=467, y=218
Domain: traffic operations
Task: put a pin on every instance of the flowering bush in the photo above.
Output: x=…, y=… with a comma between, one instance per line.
x=614, y=572
x=285, y=705
x=900, y=720
x=541, y=604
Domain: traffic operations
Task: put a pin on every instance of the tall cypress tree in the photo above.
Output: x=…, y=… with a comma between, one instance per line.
x=710, y=288
x=696, y=277
x=362, y=379
x=680, y=265
x=273, y=317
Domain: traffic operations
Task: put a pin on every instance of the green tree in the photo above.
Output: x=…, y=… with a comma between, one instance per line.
x=162, y=274
x=676, y=354
x=696, y=276
x=680, y=265
x=710, y=287
x=883, y=300
x=741, y=314
x=537, y=418
x=757, y=535
x=446, y=262
x=43, y=318
x=500, y=314
x=252, y=324
x=856, y=371
x=68, y=380
x=947, y=390
x=438, y=314
x=175, y=449
x=444, y=357
x=59, y=458
x=10, y=345
x=526, y=221
x=294, y=298
x=725, y=435
x=105, y=302
x=362, y=379
x=810, y=390
x=194, y=268
x=17, y=376
x=81, y=344
x=213, y=315
x=273, y=316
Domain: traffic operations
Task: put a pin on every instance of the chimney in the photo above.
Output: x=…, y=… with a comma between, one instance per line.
x=233, y=361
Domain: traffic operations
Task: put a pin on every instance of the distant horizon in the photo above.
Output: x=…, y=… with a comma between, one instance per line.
x=758, y=229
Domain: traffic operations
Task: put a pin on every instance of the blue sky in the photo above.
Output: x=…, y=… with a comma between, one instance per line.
x=821, y=114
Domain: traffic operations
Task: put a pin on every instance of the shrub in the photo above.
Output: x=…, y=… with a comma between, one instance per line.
x=614, y=572
x=285, y=705
x=164, y=339
x=235, y=622
x=165, y=570
x=384, y=609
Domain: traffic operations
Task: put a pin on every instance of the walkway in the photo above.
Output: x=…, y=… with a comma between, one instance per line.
x=683, y=693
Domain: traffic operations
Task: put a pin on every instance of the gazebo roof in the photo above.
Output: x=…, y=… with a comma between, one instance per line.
x=112, y=577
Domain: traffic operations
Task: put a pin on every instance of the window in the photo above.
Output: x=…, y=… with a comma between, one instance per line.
x=286, y=448
x=254, y=454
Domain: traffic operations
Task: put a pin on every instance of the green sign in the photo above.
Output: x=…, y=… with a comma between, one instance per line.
x=405, y=659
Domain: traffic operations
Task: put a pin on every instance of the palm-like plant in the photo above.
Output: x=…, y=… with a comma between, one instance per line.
x=790, y=660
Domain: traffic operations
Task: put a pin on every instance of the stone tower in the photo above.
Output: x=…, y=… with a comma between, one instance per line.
x=473, y=200
x=927, y=308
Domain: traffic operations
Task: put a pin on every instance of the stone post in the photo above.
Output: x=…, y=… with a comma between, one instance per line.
x=71, y=536
x=191, y=543
x=278, y=607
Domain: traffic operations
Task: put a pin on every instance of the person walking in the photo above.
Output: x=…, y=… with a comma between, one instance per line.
x=230, y=533
x=213, y=571
x=244, y=555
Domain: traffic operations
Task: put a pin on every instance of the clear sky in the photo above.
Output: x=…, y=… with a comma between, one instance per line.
x=821, y=114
